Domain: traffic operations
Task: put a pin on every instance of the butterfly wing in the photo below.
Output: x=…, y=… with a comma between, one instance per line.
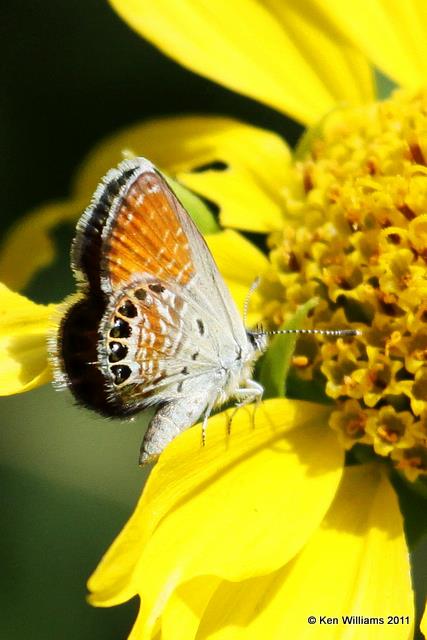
x=149, y=232
x=153, y=349
x=159, y=307
x=191, y=320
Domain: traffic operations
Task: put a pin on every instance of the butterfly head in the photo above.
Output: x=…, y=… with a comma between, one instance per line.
x=258, y=340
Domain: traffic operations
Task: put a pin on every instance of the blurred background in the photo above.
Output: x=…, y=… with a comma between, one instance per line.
x=72, y=73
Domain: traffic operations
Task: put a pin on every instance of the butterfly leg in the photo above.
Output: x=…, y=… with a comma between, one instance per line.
x=246, y=395
x=169, y=420
x=205, y=420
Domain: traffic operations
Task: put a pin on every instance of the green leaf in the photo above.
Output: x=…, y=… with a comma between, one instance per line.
x=277, y=360
x=197, y=209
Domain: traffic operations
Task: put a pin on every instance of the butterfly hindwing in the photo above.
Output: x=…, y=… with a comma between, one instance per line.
x=154, y=342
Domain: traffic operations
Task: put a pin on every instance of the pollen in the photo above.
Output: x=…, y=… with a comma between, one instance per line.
x=300, y=361
x=355, y=236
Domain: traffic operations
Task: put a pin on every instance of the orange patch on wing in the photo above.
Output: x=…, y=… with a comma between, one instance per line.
x=146, y=236
x=159, y=336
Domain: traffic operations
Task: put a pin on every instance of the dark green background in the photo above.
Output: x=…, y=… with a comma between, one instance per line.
x=71, y=73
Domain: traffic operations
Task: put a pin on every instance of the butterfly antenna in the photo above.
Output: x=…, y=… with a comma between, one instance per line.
x=253, y=287
x=259, y=330
x=323, y=332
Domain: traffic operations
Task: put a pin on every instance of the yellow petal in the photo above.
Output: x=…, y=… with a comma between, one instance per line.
x=187, y=605
x=239, y=507
x=244, y=204
x=249, y=192
x=28, y=246
x=392, y=33
x=23, y=353
x=355, y=564
x=423, y=625
x=240, y=263
x=275, y=52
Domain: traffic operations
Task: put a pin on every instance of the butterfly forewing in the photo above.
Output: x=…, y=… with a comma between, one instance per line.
x=150, y=232
x=88, y=246
x=145, y=236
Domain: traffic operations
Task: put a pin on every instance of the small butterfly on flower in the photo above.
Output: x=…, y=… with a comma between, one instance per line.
x=153, y=323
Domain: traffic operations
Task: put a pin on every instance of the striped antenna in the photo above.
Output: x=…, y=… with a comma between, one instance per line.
x=323, y=332
x=252, y=288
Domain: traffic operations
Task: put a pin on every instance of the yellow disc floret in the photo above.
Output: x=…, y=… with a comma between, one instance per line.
x=355, y=235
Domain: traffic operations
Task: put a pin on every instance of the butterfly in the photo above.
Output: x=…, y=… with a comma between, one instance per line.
x=153, y=323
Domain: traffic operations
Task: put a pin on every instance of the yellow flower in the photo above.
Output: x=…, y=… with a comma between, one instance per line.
x=256, y=532
x=251, y=535
x=355, y=239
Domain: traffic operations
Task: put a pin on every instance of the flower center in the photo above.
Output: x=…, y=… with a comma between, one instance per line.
x=355, y=236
